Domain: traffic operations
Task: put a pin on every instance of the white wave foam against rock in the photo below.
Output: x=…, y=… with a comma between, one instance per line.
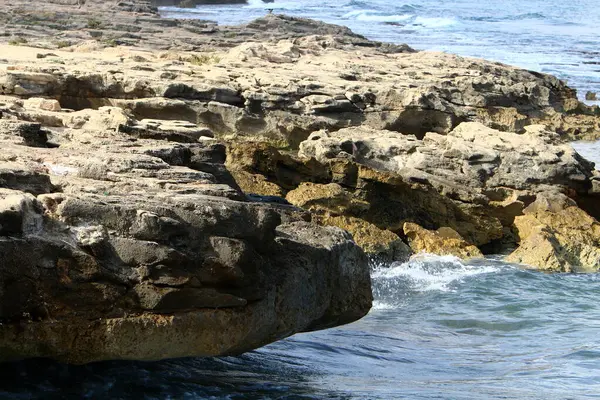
x=426, y=272
x=434, y=22
x=394, y=285
x=407, y=19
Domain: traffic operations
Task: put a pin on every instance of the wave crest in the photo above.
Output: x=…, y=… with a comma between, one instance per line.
x=393, y=284
x=405, y=18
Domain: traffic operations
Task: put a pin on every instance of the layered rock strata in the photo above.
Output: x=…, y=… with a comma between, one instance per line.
x=120, y=245
x=167, y=181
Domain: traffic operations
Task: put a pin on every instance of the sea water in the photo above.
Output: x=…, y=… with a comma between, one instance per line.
x=440, y=328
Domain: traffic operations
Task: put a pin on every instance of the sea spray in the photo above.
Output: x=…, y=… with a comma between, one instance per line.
x=393, y=284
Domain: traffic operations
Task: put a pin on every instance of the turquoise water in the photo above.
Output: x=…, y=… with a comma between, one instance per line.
x=552, y=36
x=440, y=329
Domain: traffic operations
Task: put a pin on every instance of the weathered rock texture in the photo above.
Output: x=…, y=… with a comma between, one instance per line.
x=556, y=235
x=125, y=239
x=305, y=76
x=152, y=173
x=444, y=241
x=474, y=180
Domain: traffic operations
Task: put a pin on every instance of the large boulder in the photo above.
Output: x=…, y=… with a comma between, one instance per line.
x=116, y=245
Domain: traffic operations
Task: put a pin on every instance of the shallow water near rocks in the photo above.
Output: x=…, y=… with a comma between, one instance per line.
x=439, y=329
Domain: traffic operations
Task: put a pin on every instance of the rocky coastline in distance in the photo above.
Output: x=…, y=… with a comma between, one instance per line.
x=174, y=188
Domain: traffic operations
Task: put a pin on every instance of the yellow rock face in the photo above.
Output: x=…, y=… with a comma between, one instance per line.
x=566, y=240
x=373, y=240
x=331, y=197
x=256, y=183
x=444, y=241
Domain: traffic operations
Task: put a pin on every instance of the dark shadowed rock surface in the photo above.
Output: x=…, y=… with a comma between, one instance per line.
x=114, y=246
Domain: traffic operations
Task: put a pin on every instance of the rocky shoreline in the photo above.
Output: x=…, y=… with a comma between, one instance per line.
x=174, y=188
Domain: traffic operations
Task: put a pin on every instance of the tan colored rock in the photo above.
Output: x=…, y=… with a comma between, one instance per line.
x=105, y=118
x=444, y=241
x=256, y=184
x=173, y=130
x=42, y=104
x=332, y=85
x=277, y=166
x=556, y=235
x=382, y=244
x=331, y=197
x=464, y=164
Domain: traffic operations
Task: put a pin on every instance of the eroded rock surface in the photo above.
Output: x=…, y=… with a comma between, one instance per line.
x=121, y=245
x=175, y=181
x=556, y=235
x=278, y=77
x=474, y=180
x=444, y=241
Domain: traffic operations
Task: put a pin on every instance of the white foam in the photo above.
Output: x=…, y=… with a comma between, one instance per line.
x=381, y=305
x=373, y=16
x=408, y=19
x=425, y=272
x=356, y=13
x=277, y=5
x=434, y=22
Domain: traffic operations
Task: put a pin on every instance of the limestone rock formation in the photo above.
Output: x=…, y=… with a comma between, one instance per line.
x=444, y=241
x=556, y=235
x=470, y=163
x=382, y=245
x=332, y=205
x=131, y=240
x=148, y=166
x=480, y=178
x=281, y=78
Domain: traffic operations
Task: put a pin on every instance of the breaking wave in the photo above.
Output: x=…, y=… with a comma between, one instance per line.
x=423, y=273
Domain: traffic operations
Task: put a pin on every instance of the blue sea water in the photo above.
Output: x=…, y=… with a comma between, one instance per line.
x=552, y=36
x=440, y=329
